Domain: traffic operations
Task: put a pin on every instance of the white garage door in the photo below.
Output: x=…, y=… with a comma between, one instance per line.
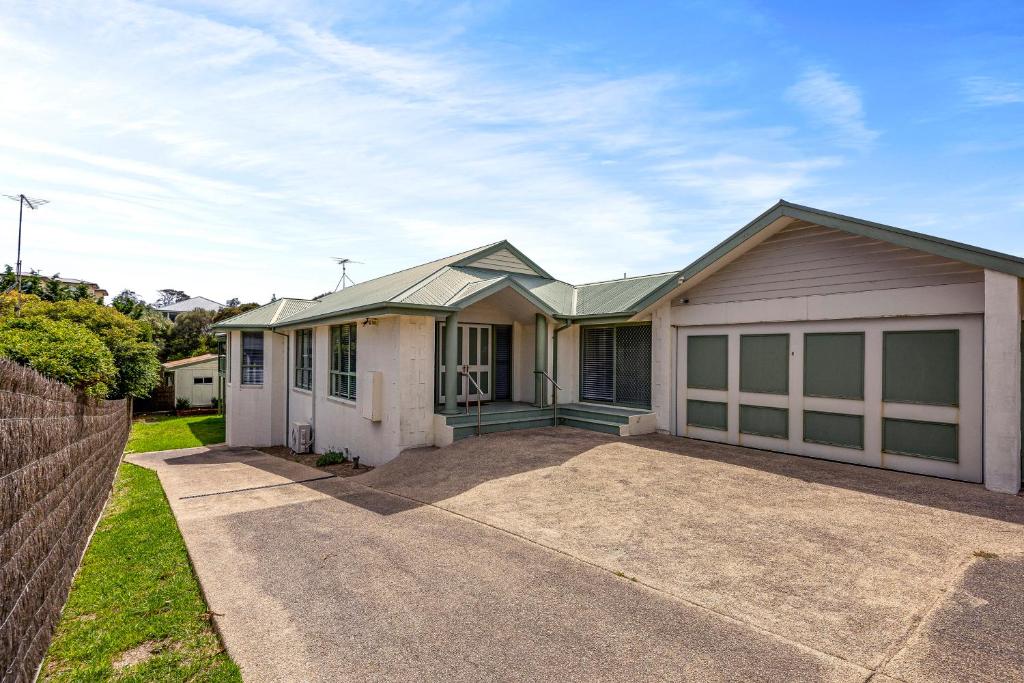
x=901, y=393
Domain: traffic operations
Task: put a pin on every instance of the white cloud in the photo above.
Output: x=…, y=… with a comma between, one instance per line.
x=231, y=160
x=834, y=104
x=984, y=91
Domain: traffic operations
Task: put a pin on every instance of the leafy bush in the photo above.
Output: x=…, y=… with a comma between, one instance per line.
x=183, y=403
x=60, y=350
x=331, y=458
x=137, y=369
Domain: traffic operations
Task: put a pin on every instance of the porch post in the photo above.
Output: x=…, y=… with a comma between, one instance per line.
x=451, y=364
x=540, y=361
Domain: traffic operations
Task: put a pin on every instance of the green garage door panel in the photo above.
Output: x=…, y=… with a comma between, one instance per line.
x=707, y=362
x=922, y=367
x=834, y=429
x=764, y=363
x=762, y=421
x=834, y=365
x=934, y=440
x=709, y=414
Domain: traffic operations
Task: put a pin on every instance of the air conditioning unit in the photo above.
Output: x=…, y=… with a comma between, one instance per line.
x=302, y=437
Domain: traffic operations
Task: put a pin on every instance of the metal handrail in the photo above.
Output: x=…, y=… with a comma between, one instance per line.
x=554, y=396
x=465, y=371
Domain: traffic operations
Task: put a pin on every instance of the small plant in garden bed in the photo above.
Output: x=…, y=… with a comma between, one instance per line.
x=331, y=458
x=183, y=404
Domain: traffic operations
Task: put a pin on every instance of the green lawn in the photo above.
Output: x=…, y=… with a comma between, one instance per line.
x=165, y=432
x=135, y=612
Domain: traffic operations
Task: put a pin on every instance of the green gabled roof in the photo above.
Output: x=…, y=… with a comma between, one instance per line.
x=266, y=315
x=957, y=251
x=617, y=296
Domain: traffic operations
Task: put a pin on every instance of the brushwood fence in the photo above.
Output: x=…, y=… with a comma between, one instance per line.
x=59, y=451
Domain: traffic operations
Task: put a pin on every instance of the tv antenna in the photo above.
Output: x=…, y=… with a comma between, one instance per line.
x=33, y=204
x=345, y=279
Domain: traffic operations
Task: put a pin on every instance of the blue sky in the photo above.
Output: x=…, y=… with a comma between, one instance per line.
x=229, y=148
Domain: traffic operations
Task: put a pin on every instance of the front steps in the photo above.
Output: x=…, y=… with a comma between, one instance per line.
x=511, y=416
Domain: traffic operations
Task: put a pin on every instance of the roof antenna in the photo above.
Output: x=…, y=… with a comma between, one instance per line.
x=33, y=204
x=345, y=279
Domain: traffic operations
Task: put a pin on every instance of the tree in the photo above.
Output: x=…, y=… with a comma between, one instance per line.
x=234, y=301
x=129, y=342
x=170, y=296
x=129, y=303
x=55, y=290
x=231, y=311
x=190, y=335
x=61, y=350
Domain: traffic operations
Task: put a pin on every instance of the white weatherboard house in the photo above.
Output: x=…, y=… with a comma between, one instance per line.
x=805, y=332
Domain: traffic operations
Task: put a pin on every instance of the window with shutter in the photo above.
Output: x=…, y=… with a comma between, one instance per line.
x=615, y=364
x=597, y=364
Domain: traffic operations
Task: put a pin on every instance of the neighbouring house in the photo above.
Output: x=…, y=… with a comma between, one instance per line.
x=805, y=332
x=194, y=379
x=93, y=288
x=171, y=311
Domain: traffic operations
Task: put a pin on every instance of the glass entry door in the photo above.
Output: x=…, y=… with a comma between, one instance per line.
x=475, y=352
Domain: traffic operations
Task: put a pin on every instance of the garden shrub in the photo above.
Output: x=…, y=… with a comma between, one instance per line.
x=61, y=350
x=331, y=458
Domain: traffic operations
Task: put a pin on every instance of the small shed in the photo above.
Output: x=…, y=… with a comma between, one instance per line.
x=193, y=378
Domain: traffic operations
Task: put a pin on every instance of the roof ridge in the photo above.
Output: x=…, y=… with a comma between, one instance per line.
x=467, y=252
x=626, y=279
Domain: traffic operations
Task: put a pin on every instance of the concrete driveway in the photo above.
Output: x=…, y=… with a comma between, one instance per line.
x=559, y=554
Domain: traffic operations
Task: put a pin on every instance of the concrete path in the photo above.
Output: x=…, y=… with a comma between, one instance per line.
x=566, y=555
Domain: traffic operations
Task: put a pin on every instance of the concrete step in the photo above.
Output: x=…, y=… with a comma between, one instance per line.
x=592, y=414
x=594, y=425
x=463, y=419
x=506, y=425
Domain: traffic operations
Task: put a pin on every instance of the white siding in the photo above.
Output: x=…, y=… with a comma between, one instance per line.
x=807, y=260
x=504, y=260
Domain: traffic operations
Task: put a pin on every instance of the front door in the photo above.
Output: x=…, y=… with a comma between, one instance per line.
x=474, y=354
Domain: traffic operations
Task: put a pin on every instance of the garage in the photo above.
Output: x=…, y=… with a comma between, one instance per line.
x=821, y=335
x=902, y=394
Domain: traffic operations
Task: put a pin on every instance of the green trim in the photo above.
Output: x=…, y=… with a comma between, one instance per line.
x=722, y=426
x=496, y=247
x=748, y=411
x=919, y=454
x=956, y=374
x=859, y=396
x=834, y=442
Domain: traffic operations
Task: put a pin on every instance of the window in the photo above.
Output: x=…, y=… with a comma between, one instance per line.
x=764, y=363
x=834, y=429
x=708, y=414
x=932, y=440
x=221, y=353
x=202, y=380
x=304, y=359
x=252, y=358
x=343, y=361
x=764, y=421
x=707, y=361
x=921, y=367
x=834, y=365
x=615, y=364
